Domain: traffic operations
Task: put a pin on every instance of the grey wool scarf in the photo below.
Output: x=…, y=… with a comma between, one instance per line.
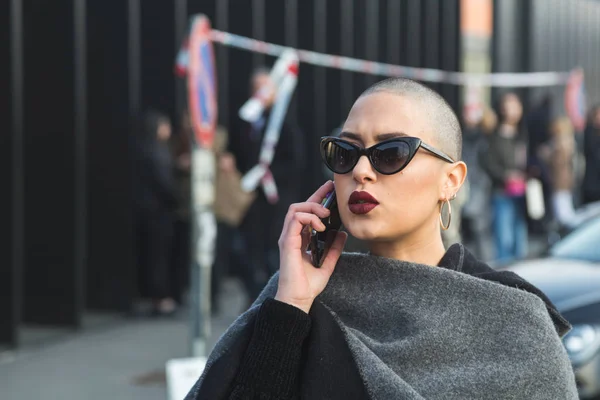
x=423, y=332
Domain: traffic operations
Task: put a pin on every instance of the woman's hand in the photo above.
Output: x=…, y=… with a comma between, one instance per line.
x=299, y=281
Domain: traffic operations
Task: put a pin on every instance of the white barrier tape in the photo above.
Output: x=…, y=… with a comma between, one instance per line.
x=267, y=153
x=284, y=95
x=251, y=179
x=524, y=79
x=268, y=183
x=261, y=173
x=255, y=106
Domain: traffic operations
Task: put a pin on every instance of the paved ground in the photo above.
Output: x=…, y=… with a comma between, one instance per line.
x=123, y=361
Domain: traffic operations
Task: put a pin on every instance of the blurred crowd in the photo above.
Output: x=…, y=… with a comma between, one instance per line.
x=528, y=175
x=248, y=224
x=517, y=165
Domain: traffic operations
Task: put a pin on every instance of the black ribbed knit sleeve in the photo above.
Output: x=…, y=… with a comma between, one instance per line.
x=271, y=365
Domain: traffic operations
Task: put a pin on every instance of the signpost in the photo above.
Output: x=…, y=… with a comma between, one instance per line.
x=202, y=101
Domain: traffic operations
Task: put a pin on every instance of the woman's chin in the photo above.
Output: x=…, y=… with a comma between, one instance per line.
x=362, y=232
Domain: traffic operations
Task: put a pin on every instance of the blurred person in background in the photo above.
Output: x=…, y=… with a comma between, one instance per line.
x=155, y=199
x=539, y=148
x=476, y=211
x=263, y=222
x=505, y=162
x=561, y=161
x=182, y=226
x=231, y=205
x=591, y=149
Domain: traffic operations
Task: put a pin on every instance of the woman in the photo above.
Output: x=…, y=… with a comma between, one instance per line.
x=409, y=320
x=505, y=161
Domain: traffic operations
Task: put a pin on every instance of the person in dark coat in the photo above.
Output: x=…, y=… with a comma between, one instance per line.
x=505, y=162
x=263, y=221
x=538, y=123
x=591, y=150
x=182, y=226
x=539, y=146
x=410, y=320
x=155, y=199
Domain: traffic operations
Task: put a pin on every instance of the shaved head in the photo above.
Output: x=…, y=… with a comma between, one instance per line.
x=444, y=122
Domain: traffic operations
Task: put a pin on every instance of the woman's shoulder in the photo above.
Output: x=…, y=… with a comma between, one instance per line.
x=469, y=264
x=362, y=268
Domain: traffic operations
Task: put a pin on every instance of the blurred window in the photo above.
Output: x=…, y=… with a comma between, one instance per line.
x=581, y=244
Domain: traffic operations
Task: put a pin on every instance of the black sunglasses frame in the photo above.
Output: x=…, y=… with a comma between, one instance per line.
x=413, y=144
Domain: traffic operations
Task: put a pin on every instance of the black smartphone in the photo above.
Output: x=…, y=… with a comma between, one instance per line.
x=320, y=242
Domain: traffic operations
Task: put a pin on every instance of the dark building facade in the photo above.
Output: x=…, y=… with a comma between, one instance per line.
x=79, y=71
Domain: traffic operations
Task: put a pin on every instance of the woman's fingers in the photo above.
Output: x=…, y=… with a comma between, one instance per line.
x=296, y=223
x=334, y=252
x=312, y=205
x=311, y=208
x=321, y=192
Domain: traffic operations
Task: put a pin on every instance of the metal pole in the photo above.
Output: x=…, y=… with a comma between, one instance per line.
x=80, y=158
x=203, y=173
x=135, y=49
x=347, y=33
x=204, y=235
x=291, y=39
x=372, y=40
x=393, y=31
x=413, y=33
x=223, y=62
x=17, y=162
x=258, y=29
x=320, y=40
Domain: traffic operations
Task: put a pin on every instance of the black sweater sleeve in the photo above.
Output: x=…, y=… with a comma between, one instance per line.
x=271, y=365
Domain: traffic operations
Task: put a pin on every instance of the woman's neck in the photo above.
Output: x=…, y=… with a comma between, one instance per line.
x=427, y=249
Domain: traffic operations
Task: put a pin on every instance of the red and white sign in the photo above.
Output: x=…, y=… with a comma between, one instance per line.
x=202, y=82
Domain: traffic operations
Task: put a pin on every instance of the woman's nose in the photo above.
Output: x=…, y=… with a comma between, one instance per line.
x=363, y=171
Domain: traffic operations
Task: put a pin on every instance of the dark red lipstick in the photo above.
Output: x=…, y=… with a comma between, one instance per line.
x=361, y=203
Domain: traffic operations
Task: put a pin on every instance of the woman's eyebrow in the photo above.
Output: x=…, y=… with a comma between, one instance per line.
x=351, y=136
x=379, y=138
x=386, y=136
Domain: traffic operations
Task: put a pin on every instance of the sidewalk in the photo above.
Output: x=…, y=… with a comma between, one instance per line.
x=123, y=362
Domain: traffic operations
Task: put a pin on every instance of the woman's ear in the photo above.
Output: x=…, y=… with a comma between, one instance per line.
x=455, y=177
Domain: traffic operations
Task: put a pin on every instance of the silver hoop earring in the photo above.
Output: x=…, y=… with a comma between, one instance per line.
x=445, y=226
